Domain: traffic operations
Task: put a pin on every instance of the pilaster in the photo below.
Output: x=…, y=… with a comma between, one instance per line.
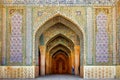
x=89, y=35
x=28, y=35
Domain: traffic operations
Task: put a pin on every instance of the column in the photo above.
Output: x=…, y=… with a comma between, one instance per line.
x=114, y=35
x=77, y=59
x=42, y=50
x=50, y=67
x=70, y=63
x=4, y=37
x=89, y=35
x=29, y=36
x=47, y=63
x=73, y=62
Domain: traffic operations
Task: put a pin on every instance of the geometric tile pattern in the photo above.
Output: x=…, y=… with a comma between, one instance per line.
x=17, y=72
x=16, y=38
x=118, y=72
x=98, y=72
x=101, y=39
x=59, y=1
x=118, y=32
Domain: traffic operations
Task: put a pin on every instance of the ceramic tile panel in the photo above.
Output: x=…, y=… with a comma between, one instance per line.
x=99, y=72
x=118, y=72
x=16, y=38
x=102, y=50
x=28, y=36
x=89, y=35
x=17, y=72
x=59, y=1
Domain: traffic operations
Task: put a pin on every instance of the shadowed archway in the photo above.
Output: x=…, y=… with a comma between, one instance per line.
x=73, y=42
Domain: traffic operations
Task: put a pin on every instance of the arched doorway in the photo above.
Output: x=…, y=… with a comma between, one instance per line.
x=60, y=63
x=60, y=45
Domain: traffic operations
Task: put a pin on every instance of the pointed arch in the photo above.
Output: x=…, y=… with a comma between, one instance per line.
x=62, y=36
x=63, y=52
x=58, y=18
x=60, y=47
x=59, y=39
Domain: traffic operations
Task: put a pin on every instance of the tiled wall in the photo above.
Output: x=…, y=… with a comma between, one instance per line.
x=118, y=72
x=16, y=38
x=102, y=39
x=99, y=72
x=0, y=35
x=17, y=72
x=90, y=72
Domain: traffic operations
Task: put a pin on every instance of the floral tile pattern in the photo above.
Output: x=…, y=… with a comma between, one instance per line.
x=101, y=39
x=16, y=38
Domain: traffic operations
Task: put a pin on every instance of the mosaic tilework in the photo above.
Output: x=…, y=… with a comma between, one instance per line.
x=101, y=39
x=98, y=72
x=118, y=32
x=16, y=38
x=118, y=72
x=28, y=36
x=89, y=35
x=17, y=72
x=60, y=1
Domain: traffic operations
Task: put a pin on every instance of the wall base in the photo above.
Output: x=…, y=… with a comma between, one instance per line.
x=90, y=72
x=99, y=72
x=17, y=72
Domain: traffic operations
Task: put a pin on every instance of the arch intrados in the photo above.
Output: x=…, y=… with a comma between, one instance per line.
x=60, y=35
x=61, y=46
x=60, y=55
x=58, y=52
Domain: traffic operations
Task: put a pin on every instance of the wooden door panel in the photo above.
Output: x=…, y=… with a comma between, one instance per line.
x=60, y=64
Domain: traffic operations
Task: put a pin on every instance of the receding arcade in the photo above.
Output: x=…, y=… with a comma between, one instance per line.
x=59, y=45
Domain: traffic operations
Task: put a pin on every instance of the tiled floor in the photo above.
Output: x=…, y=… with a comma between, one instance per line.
x=59, y=77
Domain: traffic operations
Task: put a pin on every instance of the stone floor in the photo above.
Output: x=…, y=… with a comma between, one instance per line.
x=59, y=77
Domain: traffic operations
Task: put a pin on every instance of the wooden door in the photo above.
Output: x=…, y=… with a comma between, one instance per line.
x=60, y=64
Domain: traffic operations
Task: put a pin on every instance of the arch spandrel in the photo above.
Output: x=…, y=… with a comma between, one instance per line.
x=53, y=21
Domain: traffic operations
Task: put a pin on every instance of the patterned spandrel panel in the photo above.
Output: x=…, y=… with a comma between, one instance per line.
x=101, y=39
x=16, y=38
